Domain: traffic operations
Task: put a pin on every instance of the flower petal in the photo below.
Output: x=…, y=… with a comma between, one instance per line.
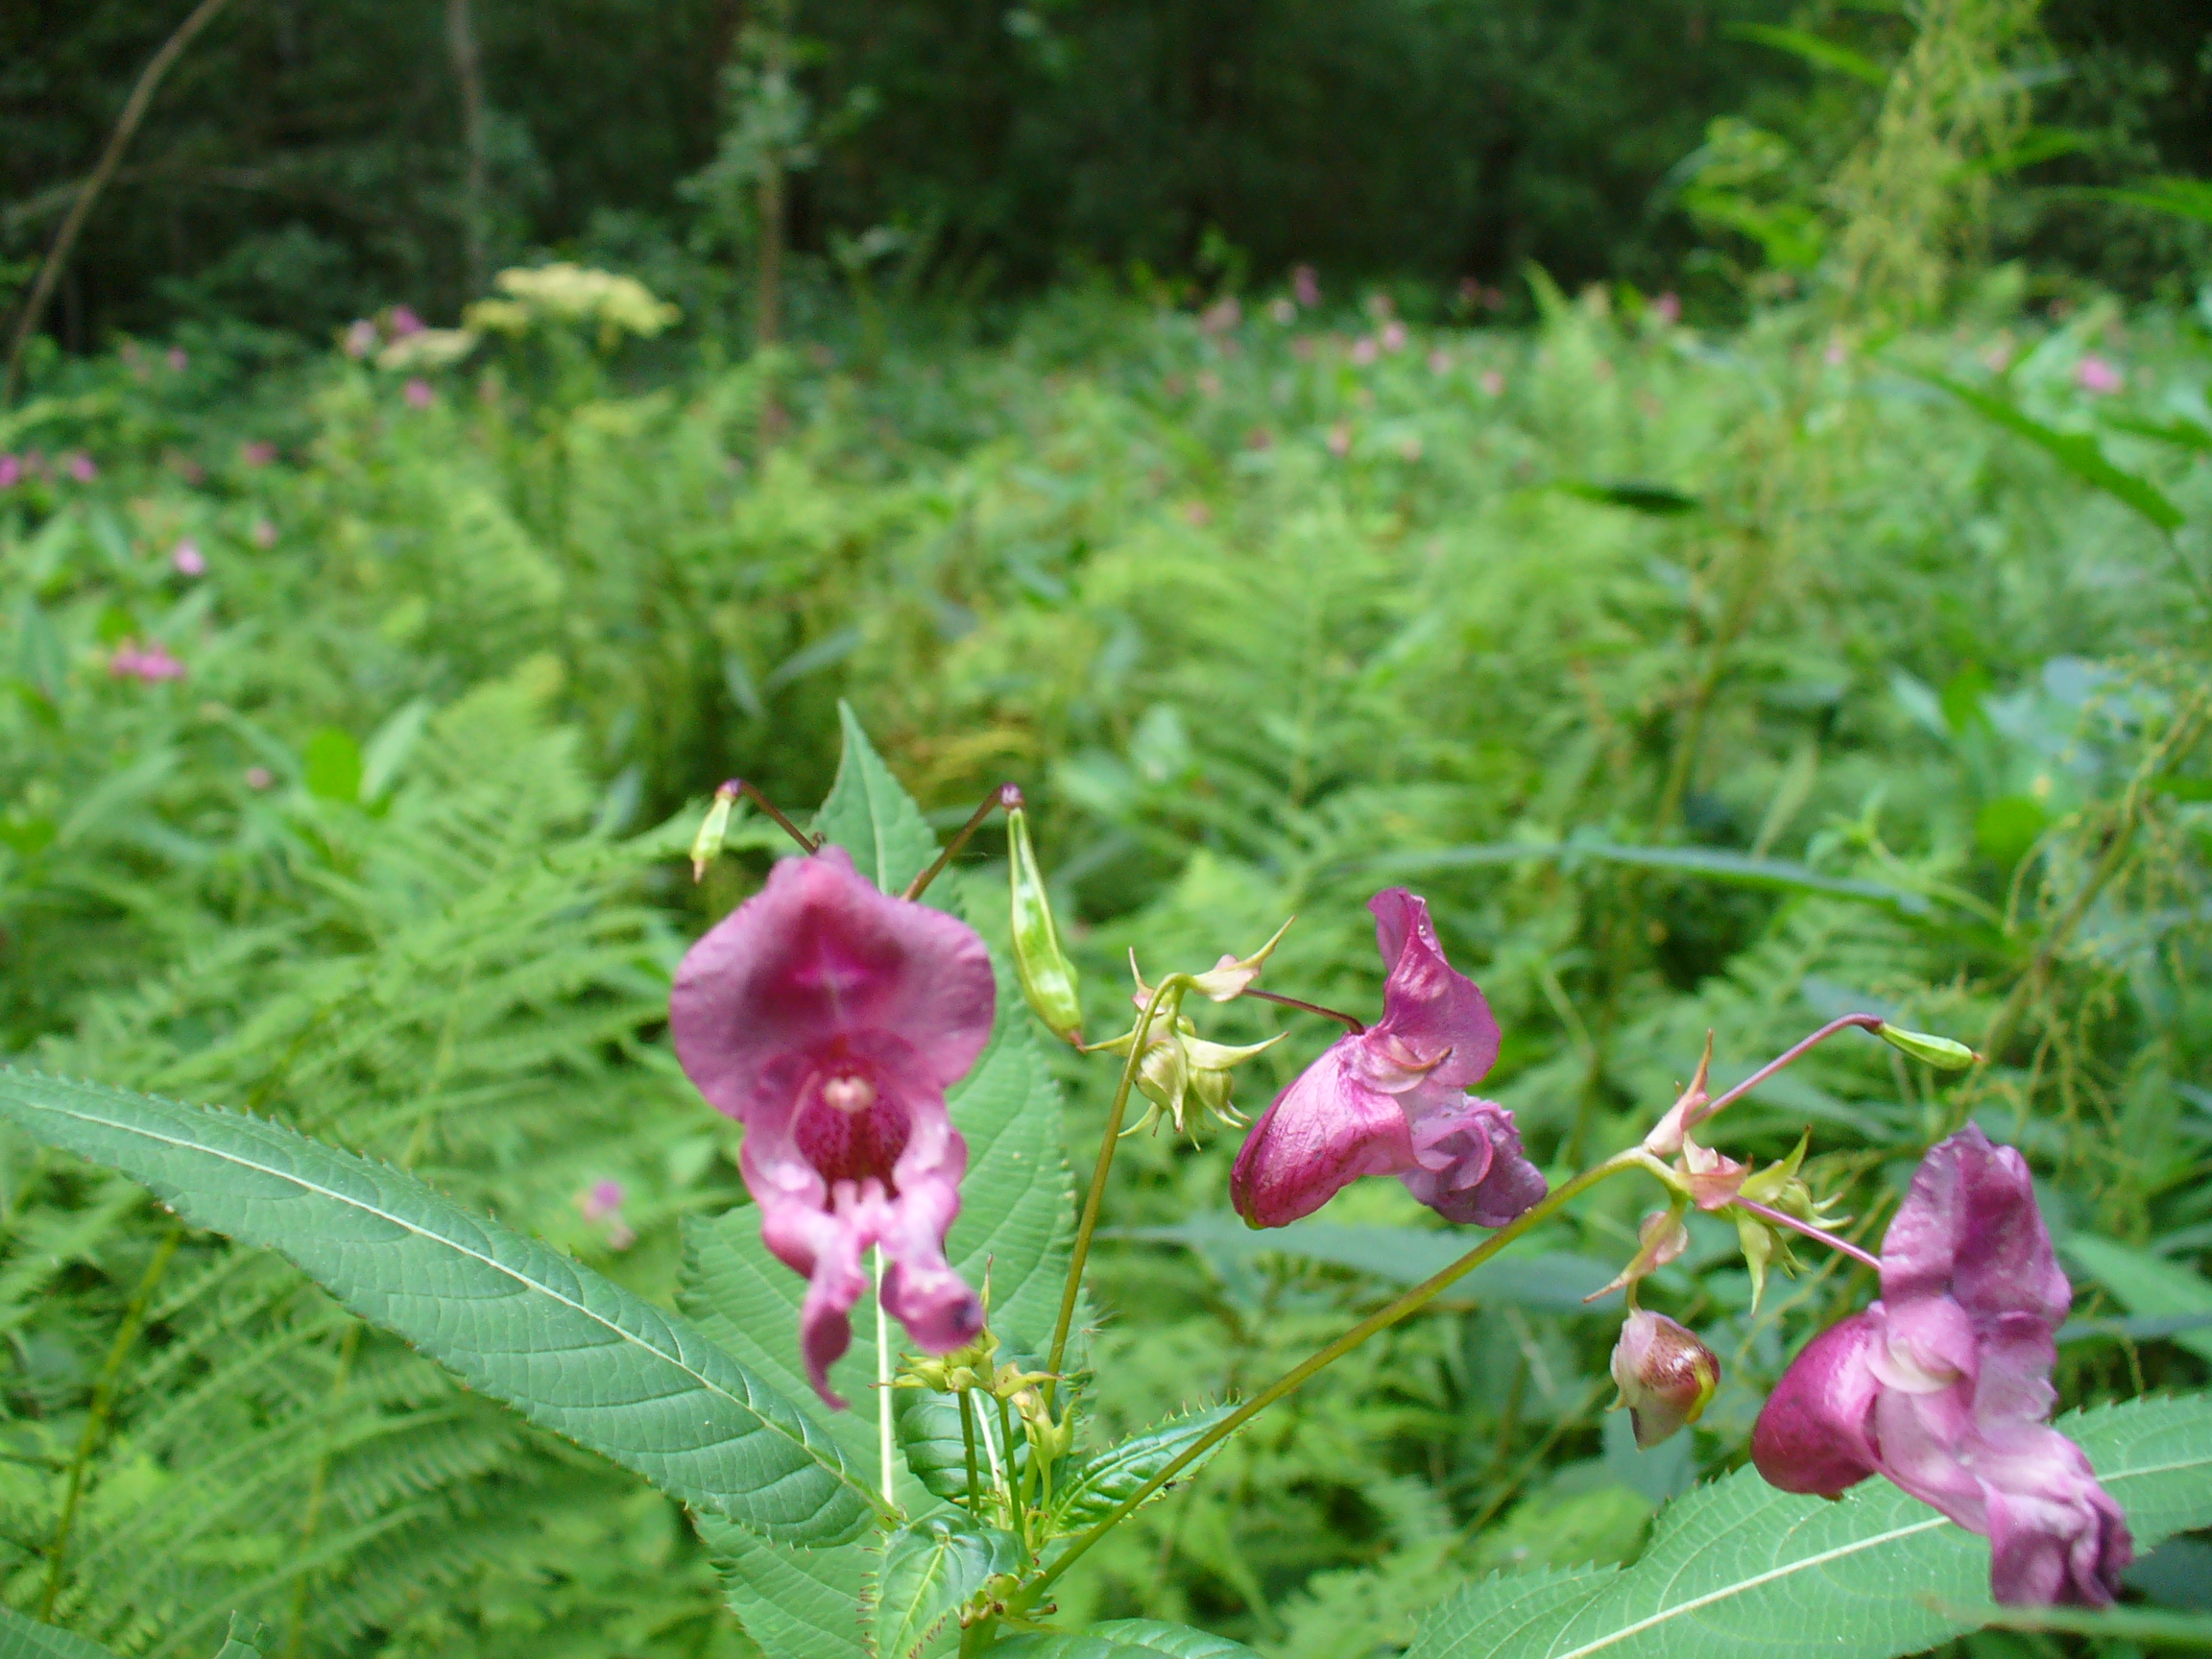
x=1437, y=1028
x=1322, y=1133
x=1469, y=1166
x=1812, y=1434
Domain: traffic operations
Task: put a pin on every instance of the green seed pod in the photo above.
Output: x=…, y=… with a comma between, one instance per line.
x=1940, y=1052
x=1048, y=978
x=709, y=841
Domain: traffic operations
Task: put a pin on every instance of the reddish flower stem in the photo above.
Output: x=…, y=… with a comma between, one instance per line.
x=806, y=842
x=1865, y=1022
x=1006, y=795
x=1345, y=1020
x=1776, y=1218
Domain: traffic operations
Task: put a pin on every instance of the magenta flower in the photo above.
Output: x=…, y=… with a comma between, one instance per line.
x=81, y=468
x=2094, y=375
x=259, y=453
x=146, y=663
x=179, y=360
x=418, y=393
x=1668, y=309
x=829, y=1019
x=188, y=559
x=1391, y=1099
x=1306, y=286
x=1394, y=336
x=400, y=321
x=11, y=472
x=1945, y=1385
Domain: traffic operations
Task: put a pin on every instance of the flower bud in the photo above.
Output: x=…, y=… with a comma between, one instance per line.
x=1048, y=978
x=707, y=843
x=1665, y=1376
x=1940, y=1052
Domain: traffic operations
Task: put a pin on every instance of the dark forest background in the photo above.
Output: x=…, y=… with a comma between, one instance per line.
x=306, y=162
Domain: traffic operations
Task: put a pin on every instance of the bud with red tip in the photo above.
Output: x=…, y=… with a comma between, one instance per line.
x=1665, y=1376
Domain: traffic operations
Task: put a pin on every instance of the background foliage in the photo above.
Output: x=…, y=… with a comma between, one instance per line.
x=1704, y=678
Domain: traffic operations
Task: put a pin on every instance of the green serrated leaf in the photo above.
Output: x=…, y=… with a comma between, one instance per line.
x=248, y=1639
x=792, y=1601
x=22, y=1638
x=1738, y=1568
x=1101, y=1484
x=1126, y=1639
x=572, y=1351
x=872, y=817
x=929, y=1569
x=2146, y=1284
x=2077, y=451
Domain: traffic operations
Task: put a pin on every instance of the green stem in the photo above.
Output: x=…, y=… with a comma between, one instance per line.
x=1006, y=795
x=883, y=1436
x=102, y=1408
x=1410, y=1302
x=968, y=1438
x=1176, y=984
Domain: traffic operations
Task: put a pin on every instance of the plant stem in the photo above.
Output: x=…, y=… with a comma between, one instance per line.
x=1865, y=1022
x=968, y=1440
x=1410, y=1302
x=103, y=1407
x=806, y=842
x=1006, y=795
x=883, y=1437
x=1345, y=1020
x=1776, y=1218
x=1097, y=1198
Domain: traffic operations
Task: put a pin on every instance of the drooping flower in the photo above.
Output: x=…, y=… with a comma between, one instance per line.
x=1944, y=1384
x=829, y=1019
x=1665, y=1374
x=1392, y=1099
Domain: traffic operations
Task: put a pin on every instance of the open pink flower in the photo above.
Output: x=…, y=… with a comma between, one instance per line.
x=829, y=1019
x=149, y=662
x=1944, y=1384
x=1392, y=1099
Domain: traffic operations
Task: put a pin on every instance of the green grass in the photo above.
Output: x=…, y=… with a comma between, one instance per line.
x=1700, y=682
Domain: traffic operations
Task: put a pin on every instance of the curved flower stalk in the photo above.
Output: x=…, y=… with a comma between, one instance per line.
x=1391, y=1099
x=829, y=1019
x=1943, y=1386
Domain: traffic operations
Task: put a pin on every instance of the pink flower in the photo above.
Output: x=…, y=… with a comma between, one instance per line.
x=1944, y=1384
x=1439, y=361
x=259, y=453
x=188, y=559
x=1306, y=287
x=601, y=1203
x=1668, y=309
x=1493, y=383
x=1835, y=354
x=829, y=1019
x=80, y=467
x=259, y=778
x=11, y=472
x=1341, y=440
x=1394, y=336
x=179, y=362
x=1221, y=316
x=418, y=393
x=1364, y=349
x=359, y=339
x=264, y=534
x=149, y=662
x=1391, y=1099
x=399, y=322
x=2094, y=375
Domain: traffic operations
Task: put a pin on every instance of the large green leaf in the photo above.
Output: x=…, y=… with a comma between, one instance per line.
x=872, y=817
x=1711, y=863
x=22, y=1638
x=929, y=1569
x=805, y=1604
x=1098, y=1486
x=2147, y=1285
x=1738, y=1568
x=1126, y=1639
x=248, y=1639
x=520, y=1321
x=2079, y=454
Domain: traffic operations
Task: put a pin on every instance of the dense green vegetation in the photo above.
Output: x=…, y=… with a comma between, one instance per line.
x=1808, y=613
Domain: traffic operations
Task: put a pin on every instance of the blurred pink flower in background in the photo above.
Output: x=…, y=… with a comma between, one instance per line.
x=259, y=778
x=179, y=360
x=1834, y=355
x=359, y=339
x=1394, y=337
x=1439, y=361
x=1493, y=383
x=2094, y=375
x=1259, y=437
x=264, y=534
x=1284, y=311
x=1365, y=350
x=148, y=663
x=1306, y=286
x=1221, y=316
x=418, y=394
x=601, y=1203
x=259, y=453
x=1341, y=440
x=400, y=321
x=1302, y=347
x=80, y=467
x=1668, y=309
x=188, y=559
x=1197, y=515
x=11, y=472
